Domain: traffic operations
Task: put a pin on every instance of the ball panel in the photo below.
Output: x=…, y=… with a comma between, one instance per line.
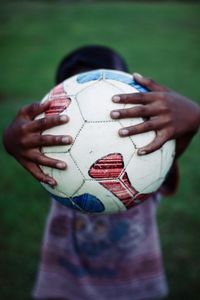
x=144, y=170
x=94, y=142
x=152, y=187
x=95, y=102
x=143, y=139
x=168, y=154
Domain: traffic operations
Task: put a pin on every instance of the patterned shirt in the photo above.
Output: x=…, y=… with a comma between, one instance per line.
x=115, y=257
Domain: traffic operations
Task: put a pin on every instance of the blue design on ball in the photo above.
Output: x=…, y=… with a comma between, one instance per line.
x=108, y=74
x=86, y=202
x=89, y=76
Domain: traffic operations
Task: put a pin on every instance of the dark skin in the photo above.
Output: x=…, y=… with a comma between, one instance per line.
x=170, y=114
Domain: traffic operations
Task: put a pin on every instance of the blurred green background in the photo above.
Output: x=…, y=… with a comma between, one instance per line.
x=160, y=40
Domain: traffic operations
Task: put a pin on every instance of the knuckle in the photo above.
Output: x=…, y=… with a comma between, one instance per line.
x=42, y=140
x=168, y=121
x=121, y=113
x=57, y=139
x=126, y=112
x=123, y=97
x=42, y=177
x=55, y=120
x=23, y=142
x=148, y=125
x=155, y=145
x=33, y=108
x=39, y=176
x=141, y=109
x=133, y=130
x=141, y=96
x=23, y=110
x=23, y=129
x=43, y=122
x=40, y=158
x=162, y=96
x=164, y=108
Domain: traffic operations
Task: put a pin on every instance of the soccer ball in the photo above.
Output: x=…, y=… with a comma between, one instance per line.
x=104, y=174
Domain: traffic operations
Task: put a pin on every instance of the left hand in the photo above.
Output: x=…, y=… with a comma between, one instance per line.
x=170, y=114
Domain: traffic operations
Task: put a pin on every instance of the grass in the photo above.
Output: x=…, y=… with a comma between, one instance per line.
x=158, y=40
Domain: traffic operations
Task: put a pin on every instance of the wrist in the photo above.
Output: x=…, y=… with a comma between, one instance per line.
x=195, y=118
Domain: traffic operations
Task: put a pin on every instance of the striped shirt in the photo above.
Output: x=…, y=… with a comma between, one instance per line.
x=115, y=257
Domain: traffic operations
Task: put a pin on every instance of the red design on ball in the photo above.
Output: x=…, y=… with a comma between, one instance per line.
x=59, y=101
x=110, y=173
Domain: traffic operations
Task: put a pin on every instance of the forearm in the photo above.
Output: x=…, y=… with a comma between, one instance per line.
x=183, y=142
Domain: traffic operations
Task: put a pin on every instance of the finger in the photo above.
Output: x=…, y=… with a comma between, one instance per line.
x=37, y=173
x=149, y=83
x=46, y=123
x=38, y=140
x=136, y=111
x=156, y=144
x=40, y=159
x=141, y=128
x=34, y=109
x=133, y=98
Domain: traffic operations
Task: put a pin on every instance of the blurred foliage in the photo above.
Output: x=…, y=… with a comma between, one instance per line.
x=158, y=40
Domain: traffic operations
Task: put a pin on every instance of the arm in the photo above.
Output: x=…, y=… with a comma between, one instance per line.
x=170, y=114
x=23, y=140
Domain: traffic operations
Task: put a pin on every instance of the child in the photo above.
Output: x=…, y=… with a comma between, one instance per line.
x=103, y=257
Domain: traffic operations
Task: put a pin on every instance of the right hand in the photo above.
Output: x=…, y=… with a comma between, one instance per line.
x=23, y=139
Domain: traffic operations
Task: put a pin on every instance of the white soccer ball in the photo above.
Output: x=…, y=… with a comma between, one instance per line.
x=104, y=174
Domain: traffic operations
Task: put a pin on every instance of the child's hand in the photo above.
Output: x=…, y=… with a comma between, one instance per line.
x=23, y=140
x=170, y=114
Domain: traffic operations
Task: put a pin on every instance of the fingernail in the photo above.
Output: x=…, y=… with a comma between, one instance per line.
x=123, y=132
x=141, y=152
x=51, y=182
x=66, y=140
x=137, y=75
x=116, y=98
x=61, y=165
x=115, y=114
x=63, y=118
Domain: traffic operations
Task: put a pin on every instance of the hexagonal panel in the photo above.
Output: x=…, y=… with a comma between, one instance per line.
x=98, y=140
x=152, y=187
x=69, y=180
x=144, y=170
x=95, y=101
